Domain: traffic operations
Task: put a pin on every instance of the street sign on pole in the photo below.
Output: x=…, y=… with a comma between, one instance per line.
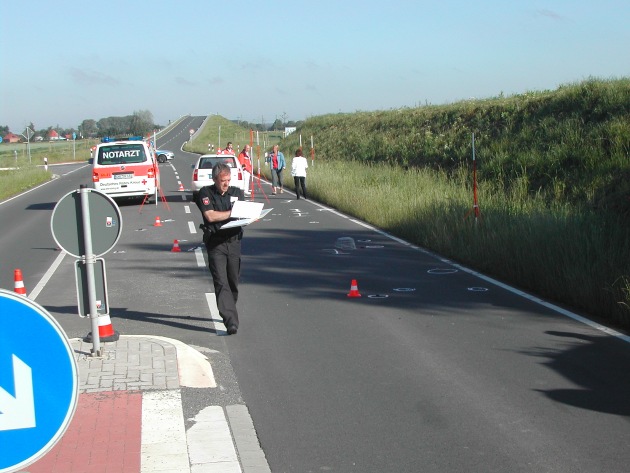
x=100, y=286
x=87, y=224
x=66, y=223
x=39, y=382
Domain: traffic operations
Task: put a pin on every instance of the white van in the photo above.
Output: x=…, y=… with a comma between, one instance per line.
x=126, y=169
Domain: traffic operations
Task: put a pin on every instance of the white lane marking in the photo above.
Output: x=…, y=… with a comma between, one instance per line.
x=187, y=209
x=193, y=367
x=191, y=227
x=210, y=445
x=44, y=280
x=217, y=322
x=199, y=256
x=163, y=433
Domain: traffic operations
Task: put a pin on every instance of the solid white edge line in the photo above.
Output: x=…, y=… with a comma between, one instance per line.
x=163, y=435
x=210, y=445
x=513, y=290
x=219, y=327
x=44, y=280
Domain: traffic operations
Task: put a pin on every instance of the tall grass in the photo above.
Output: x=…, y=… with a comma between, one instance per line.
x=554, y=185
x=577, y=258
x=14, y=181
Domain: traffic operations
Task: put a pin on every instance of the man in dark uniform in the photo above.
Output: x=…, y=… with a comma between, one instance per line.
x=223, y=245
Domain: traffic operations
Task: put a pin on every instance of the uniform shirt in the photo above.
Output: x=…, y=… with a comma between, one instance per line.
x=211, y=199
x=245, y=161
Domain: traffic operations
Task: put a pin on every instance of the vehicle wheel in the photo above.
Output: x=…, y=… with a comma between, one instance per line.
x=161, y=158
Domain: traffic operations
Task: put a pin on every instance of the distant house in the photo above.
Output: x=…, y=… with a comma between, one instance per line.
x=53, y=135
x=11, y=138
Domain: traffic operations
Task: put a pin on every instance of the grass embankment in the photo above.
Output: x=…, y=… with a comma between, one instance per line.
x=229, y=131
x=554, y=186
x=21, y=171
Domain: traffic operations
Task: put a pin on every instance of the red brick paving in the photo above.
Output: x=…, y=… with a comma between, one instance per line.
x=104, y=436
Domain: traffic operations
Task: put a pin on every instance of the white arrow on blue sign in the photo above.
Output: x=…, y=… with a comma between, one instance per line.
x=38, y=381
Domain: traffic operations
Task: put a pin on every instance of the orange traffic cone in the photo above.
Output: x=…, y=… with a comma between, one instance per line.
x=176, y=248
x=181, y=186
x=157, y=222
x=19, y=282
x=354, y=290
x=106, y=332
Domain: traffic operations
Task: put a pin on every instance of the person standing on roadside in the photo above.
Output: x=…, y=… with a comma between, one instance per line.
x=298, y=171
x=246, y=162
x=229, y=150
x=277, y=163
x=223, y=245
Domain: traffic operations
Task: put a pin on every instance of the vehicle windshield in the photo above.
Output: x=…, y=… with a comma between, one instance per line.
x=121, y=154
x=208, y=163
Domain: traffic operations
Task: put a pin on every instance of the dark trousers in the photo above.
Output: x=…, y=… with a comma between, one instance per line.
x=300, y=181
x=224, y=262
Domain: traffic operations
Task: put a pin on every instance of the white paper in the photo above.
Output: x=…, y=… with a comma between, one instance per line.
x=241, y=222
x=245, y=209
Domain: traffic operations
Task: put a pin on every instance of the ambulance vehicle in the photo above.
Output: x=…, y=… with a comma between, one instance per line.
x=126, y=168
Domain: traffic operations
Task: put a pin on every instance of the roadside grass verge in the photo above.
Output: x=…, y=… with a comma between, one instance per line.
x=229, y=131
x=12, y=182
x=573, y=257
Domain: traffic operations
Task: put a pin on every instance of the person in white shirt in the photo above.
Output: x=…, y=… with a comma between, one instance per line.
x=298, y=171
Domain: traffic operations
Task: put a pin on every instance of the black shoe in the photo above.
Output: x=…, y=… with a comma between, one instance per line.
x=232, y=329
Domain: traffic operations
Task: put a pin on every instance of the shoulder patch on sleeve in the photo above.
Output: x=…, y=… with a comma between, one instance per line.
x=206, y=201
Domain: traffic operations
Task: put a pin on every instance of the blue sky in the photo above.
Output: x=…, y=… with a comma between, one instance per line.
x=64, y=61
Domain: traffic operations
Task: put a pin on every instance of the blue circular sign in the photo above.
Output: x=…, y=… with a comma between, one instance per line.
x=38, y=381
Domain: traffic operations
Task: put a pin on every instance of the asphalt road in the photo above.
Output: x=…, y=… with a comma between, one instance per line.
x=432, y=369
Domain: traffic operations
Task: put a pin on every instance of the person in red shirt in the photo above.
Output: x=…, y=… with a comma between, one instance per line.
x=246, y=162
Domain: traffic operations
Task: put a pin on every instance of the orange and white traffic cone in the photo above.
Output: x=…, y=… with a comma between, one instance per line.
x=354, y=290
x=19, y=282
x=176, y=248
x=106, y=332
x=181, y=186
x=157, y=223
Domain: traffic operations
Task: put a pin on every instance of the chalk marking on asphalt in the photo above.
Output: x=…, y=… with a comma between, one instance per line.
x=537, y=300
x=163, y=433
x=44, y=280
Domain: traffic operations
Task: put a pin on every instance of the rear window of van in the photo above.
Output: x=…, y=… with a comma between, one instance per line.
x=209, y=163
x=121, y=154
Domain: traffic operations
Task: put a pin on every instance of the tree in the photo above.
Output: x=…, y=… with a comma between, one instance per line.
x=88, y=128
x=277, y=125
x=4, y=130
x=141, y=122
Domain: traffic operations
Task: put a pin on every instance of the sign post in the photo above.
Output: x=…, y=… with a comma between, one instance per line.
x=39, y=384
x=87, y=224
